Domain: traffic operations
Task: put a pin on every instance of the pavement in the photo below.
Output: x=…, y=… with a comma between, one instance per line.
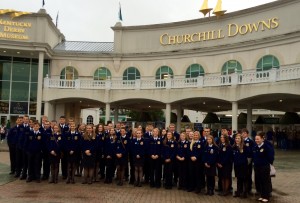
x=286, y=187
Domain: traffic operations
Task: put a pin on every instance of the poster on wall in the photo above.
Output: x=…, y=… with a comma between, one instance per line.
x=4, y=107
x=19, y=107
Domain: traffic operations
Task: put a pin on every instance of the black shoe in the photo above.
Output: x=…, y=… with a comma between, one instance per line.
x=45, y=178
x=38, y=180
x=211, y=193
x=64, y=177
x=197, y=191
x=23, y=177
x=17, y=175
x=28, y=180
x=236, y=194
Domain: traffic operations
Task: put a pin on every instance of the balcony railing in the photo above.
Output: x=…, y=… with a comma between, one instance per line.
x=209, y=80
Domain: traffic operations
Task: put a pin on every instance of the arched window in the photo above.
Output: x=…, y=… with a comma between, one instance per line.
x=69, y=73
x=267, y=62
x=164, y=72
x=231, y=66
x=131, y=73
x=102, y=73
x=90, y=120
x=194, y=71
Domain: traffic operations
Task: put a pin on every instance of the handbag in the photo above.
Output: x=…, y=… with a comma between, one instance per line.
x=272, y=171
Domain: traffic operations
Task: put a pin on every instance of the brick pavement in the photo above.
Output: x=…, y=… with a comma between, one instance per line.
x=286, y=186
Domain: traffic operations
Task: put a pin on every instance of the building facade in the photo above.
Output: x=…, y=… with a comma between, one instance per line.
x=249, y=59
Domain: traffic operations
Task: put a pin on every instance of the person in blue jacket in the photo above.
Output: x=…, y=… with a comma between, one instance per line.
x=182, y=157
x=100, y=161
x=72, y=149
x=225, y=164
x=110, y=155
x=33, y=146
x=169, y=157
x=250, y=144
x=195, y=168
x=88, y=148
x=241, y=157
x=12, y=141
x=138, y=156
x=121, y=155
x=263, y=156
x=210, y=157
x=155, y=149
x=54, y=146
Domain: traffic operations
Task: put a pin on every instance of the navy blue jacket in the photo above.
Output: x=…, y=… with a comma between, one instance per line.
x=109, y=147
x=55, y=143
x=88, y=145
x=22, y=133
x=33, y=142
x=240, y=157
x=100, y=139
x=120, y=149
x=197, y=150
x=170, y=150
x=138, y=147
x=250, y=144
x=210, y=154
x=263, y=156
x=12, y=136
x=183, y=149
x=72, y=141
x=155, y=146
x=225, y=156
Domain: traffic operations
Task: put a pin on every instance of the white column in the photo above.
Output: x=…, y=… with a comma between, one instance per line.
x=168, y=115
x=39, y=87
x=178, y=124
x=249, y=118
x=116, y=115
x=49, y=110
x=234, y=116
x=107, y=112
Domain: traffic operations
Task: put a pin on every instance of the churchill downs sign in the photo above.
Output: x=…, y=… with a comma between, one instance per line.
x=232, y=30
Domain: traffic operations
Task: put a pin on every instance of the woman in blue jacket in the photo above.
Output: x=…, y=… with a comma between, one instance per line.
x=263, y=156
x=210, y=156
x=88, y=148
x=225, y=164
x=55, y=147
x=169, y=154
x=241, y=156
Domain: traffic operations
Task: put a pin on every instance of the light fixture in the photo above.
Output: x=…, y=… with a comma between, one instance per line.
x=4, y=51
x=280, y=100
x=18, y=52
x=219, y=106
x=204, y=102
x=149, y=106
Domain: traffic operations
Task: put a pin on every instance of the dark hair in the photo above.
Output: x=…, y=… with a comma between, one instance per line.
x=226, y=140
x=245, y=130
x=260, y=134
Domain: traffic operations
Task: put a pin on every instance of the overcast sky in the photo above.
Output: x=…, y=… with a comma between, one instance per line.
x=90, y=20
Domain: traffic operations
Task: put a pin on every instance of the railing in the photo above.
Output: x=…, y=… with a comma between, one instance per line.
x=209, y=80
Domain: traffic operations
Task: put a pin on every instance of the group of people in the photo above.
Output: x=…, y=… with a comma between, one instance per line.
x=189, y=160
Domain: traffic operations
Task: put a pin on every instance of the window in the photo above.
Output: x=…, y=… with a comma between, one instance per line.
x=194, y=71
x=231, y=66
x=164, y=72
x=69, y=73
x=267, y=62
x=102, y=74
x=131, y=73
x=90, y=120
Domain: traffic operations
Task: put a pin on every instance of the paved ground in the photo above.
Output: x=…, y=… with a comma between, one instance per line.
x=286, y=186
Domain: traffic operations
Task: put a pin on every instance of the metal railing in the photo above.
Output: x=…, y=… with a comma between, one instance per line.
x=284, y=73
